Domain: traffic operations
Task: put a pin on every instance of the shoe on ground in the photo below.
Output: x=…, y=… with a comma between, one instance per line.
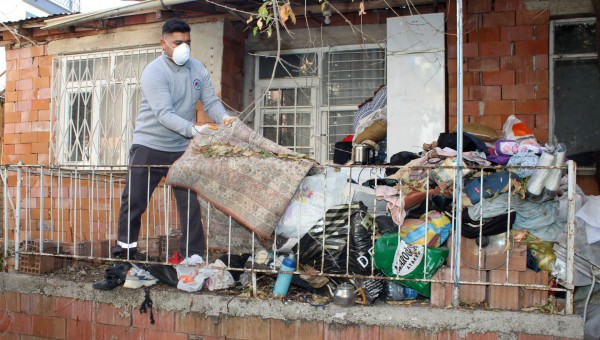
x=138, y=277
x=113, y=277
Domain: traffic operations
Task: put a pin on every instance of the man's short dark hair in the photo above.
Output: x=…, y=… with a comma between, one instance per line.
x=175, y=25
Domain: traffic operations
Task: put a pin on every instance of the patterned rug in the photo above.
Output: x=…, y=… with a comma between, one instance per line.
x=242, y=174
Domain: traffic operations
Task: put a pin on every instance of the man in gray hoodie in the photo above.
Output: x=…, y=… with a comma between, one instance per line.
x=171, y=87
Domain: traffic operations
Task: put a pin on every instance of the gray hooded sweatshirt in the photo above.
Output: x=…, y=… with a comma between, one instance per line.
x=168, y=108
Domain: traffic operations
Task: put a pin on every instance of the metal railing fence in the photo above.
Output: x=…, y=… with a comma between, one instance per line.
x=72, y=213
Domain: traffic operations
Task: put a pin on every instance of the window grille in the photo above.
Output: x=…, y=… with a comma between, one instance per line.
x=96, y=98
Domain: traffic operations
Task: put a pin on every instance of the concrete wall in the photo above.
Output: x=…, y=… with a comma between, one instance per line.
x=61, y=309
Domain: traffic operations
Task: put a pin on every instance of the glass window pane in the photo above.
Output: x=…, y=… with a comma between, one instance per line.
x=286, y=136
x=270, y=119
x=291, y=65
x=306, y=151
x=304, y=96
x=575, y=38
x=352, y=76
x=341, y=124
x=288, y=97
x=577, y=106
x=80, y=70
x=303, y=137
x=79, y=126
x=303, y=118
x=272, y=98
x=270, y=133
x=287, y=119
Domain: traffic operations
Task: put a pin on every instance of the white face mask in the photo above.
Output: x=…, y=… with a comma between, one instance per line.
x=181, y=53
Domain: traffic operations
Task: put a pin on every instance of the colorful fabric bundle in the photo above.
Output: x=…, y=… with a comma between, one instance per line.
x=437, y=230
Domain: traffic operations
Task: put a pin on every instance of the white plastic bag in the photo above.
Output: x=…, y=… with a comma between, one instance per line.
x=218, y=278
x=310, y=202
x=189, y=275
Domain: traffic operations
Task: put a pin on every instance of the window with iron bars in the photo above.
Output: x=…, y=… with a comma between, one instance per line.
x=312, y=99
x=96, y=98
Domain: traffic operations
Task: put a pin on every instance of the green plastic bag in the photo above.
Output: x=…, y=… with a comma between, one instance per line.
x=408, y=261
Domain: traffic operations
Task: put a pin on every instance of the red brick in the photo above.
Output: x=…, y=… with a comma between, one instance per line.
x=489, y=34
x=45, y=60
x=29, y=73
x=494, y=122
x=40, y=148
x=508, y=5
x=35, y=303
x=70, y=308
x=503, y=297
x=11, y=117
x=471, y=108
x=483, y=64
x=40, y=104
x=392, y=333
x=296, y=330
x=527, y=17
x=44, y=115
x=25, y=84
x=29, y=116
x=11, y=85
x=533, y=297
x=516, y=33
x=40, y=126
x=516, y=63
x=499, y=107
x=541, y=135
x=482, y=336
x=45, y=71
x=43, y=159
x=540, y=62
x=13, y=75
x=340, y=331
x=469, y=79
x=11, y=96
x=49, y=327
x=12, y=138
x=518, y=92
x=44, y=93
x=501, y=19
x=19, y=323
x=470, y=22
x=112, y=332
x=534, y=337
x=39, y=50
x=484, y=93
x=532, y=107
x=44, y=136
x=23, y=105
x=541, y=121
x=479, y=6
x=25, y=95
x=499, y=78
x=29, y=137
x=193, y=323
x=27, y=159
x=41, y=82
x=10, y=301
x=531, y=47
x=23, y=127
x=470, y=50
x=245, y=328
x=532, y=77
x=493, y=49
x=541, y=32
x=107, y=313
x=167, y=318
x=77, y=329
x=150, y=334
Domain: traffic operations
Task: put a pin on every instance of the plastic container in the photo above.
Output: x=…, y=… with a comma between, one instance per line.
x=283, y=279
x=410, y=293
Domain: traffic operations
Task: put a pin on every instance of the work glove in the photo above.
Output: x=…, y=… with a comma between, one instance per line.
x=196, y=129
x=228, y=120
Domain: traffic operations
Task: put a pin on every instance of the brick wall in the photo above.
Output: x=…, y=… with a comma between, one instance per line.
x=36, y=315
x=27, y=107
x=505, y=64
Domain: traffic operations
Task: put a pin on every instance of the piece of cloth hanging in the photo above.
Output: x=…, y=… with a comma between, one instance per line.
x=395, y=203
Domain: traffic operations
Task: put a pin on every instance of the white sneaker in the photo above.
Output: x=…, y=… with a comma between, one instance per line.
x=137, y=277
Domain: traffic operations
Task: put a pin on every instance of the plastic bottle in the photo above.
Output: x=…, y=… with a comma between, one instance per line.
x=283, y=279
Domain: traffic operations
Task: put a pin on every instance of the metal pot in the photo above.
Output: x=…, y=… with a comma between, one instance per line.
x=363, y=154
x=344, y=295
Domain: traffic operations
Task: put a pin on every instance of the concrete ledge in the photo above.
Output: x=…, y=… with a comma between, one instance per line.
x=411, y=317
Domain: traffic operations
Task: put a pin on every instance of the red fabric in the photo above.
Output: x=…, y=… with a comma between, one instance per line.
x=348, y=138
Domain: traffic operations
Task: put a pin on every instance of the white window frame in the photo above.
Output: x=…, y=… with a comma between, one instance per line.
x=322, y=109
x=60, y=143
x=583, y=170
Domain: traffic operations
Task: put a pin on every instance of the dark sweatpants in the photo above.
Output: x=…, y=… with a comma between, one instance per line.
x=134, y=200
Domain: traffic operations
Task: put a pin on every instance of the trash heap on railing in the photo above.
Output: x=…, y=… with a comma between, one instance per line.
x=384, y=230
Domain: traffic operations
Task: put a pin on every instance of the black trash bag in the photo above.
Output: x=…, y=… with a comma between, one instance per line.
x=385, y=224
x=489, y=227
x=164, y=273
x=400, y=158
x=392, y=291
x=237, y=261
